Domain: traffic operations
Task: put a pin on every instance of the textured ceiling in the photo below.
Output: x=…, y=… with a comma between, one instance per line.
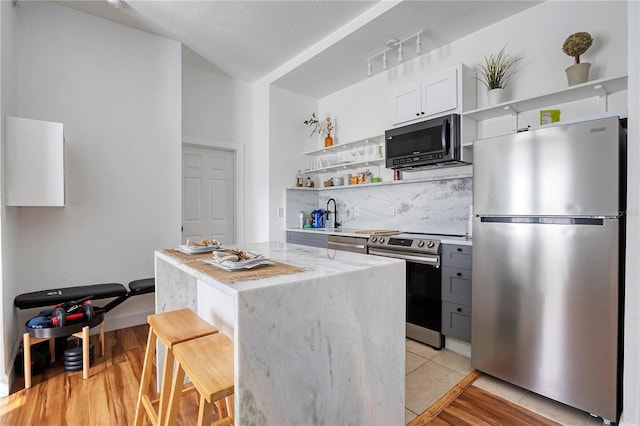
x=250, y=39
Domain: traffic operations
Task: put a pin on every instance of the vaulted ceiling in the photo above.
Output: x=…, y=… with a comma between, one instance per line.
x=250, y=39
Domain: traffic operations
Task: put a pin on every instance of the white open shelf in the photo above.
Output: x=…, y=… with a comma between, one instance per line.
x=600, y=88
x=334, y=149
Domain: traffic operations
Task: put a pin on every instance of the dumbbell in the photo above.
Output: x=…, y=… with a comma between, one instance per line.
x=61, y=317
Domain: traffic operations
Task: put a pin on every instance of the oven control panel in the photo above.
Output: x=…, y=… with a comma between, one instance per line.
x=406, y=243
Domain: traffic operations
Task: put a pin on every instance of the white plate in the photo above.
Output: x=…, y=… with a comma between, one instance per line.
x=197, y=249
x=243, y=264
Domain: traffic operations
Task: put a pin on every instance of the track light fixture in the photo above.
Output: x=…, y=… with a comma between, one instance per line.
x=391, y=44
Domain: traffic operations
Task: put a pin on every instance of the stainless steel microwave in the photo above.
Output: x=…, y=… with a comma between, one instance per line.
x=428, y=144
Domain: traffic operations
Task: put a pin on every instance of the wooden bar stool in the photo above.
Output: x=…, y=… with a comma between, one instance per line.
x=171, y=328
x=208, y=362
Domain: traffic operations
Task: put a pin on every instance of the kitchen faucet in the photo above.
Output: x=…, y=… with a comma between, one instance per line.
x=335, y=213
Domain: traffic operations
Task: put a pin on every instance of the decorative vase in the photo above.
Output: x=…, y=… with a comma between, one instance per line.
x=328, y=141
x=495, y=96
x=578, y=73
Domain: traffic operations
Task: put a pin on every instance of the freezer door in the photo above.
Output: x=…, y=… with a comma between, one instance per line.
x=565, y=170
x=545, y=309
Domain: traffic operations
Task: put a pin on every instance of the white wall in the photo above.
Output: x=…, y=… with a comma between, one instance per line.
x=215, y=106
x=631, y=390
x=118, y=92
x=288, y=143
x=258, y=167
x=8, y=216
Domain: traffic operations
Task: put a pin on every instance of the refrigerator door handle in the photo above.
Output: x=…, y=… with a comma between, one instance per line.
x=544, y=220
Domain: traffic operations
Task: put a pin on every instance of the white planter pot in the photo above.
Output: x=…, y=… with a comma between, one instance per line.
x=578, y=73
x=496, y=96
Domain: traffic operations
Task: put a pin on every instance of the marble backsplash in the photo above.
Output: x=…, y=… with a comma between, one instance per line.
x=430, y=206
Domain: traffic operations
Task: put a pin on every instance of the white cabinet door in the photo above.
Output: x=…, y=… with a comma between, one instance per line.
x=34, y=163
x=406, y=103
x=433, y=95
x=440, y=92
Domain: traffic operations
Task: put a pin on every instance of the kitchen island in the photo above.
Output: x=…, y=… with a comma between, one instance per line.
x=322, y=343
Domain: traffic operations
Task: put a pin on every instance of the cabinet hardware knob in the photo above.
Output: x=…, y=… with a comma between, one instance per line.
x=459, y=274
x=459, y=309
x=422, y=113
x=417, y=114
x=459, y=249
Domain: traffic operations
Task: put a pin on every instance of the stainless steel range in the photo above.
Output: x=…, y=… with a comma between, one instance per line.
x=424, y=287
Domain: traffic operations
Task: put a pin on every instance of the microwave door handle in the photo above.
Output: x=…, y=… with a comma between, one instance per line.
x=445, y=138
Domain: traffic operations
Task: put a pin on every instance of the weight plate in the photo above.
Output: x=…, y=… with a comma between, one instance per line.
x=77, y=350
x=68, y=365
x=76, y=357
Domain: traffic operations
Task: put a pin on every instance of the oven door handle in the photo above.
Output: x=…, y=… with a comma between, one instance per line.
x=433, y=260
x=336, y=245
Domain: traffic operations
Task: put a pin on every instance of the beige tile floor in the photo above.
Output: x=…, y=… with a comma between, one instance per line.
x=431, y=373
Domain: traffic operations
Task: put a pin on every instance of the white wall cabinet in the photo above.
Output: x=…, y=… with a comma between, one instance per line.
x=34, y=162
x=450, y=90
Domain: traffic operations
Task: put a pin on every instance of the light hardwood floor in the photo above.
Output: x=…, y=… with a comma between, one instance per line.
x=108, y=397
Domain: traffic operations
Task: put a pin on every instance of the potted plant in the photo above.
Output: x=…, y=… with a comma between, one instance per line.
x=575, y=45
x=496, y=72
x=318, y=128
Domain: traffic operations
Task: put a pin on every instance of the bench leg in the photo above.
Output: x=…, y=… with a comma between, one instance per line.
x=26, y=343
x=85, y=352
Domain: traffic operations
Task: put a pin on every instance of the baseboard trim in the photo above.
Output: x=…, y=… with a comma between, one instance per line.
x=117, y=323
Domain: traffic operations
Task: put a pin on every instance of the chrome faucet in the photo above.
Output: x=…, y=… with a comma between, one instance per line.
x=335, y=213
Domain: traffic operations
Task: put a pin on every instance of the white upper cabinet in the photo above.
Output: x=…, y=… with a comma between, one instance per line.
x=445, y=92
x=439, y=92
x=34, y=163
x=406, y=103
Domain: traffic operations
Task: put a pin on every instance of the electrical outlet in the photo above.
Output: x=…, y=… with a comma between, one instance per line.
x=392, y=211
x=280, y=212
x=356, y=211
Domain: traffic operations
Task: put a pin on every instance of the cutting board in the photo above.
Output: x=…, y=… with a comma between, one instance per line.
x=377, y=231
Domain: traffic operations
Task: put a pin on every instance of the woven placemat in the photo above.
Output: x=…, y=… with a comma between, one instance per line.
x=195, y=261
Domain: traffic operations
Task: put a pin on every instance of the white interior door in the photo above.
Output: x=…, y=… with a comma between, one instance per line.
x=208, y=194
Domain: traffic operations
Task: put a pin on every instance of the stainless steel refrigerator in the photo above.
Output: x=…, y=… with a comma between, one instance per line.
x=548, y=252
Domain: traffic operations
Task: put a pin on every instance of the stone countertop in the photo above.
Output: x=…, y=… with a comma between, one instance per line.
x=317, y=263
x=348, y=232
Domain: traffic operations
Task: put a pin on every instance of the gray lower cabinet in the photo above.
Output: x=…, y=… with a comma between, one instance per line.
x=307, y=239
x=456, y=291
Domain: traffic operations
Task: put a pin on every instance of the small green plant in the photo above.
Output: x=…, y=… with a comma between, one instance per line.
x=497, y=69
x=576, y=44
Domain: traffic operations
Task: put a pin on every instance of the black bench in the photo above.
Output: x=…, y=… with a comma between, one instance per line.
x=57, y=296
x=42, y=298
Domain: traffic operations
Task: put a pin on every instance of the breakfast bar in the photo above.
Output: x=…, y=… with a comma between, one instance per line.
x=318, y=336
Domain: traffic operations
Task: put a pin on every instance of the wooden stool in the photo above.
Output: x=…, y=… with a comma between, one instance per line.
x=208, y=361
x=171, y=328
